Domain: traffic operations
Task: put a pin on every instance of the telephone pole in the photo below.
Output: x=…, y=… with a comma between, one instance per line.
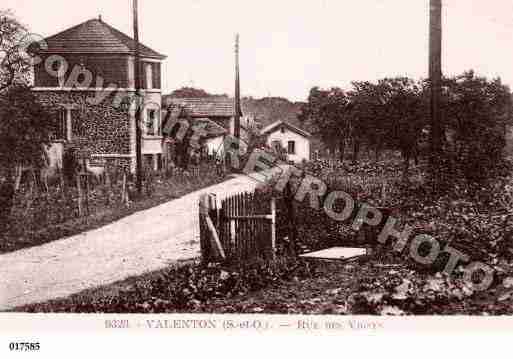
x=138, y=102
x=435, y=77
x=237, y=91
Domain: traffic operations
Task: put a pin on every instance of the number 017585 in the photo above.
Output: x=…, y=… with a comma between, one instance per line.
x=24, y=347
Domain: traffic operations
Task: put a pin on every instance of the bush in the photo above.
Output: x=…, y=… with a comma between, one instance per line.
x=184, y=289
x=38, y=217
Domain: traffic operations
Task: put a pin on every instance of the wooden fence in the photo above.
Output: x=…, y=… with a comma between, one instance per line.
x=241, y=229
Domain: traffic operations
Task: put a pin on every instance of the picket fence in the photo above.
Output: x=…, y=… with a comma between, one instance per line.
x=241, y=228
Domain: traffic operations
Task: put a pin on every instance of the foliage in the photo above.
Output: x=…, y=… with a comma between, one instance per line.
x=14, y=61
x=184, y=289
x=191, y=92
x=477, y=113
x=38, y=218
x=478, y=223
x=393, y=113
x=475, y=221
x=265, y=110
x=328, y=112
x=268, y=110
x=25, y=126
x=292, y=287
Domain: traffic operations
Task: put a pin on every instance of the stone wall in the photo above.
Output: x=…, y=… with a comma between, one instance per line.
x=103, y=128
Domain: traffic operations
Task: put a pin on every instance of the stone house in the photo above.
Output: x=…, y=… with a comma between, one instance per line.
x=86, y=76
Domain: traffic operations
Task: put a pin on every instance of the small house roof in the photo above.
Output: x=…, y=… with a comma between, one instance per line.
x=205, y=107
x=95, y=37
x=211, y=128
x=275, y=126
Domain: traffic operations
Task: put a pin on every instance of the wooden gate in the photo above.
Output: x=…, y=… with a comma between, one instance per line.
x=241, y=229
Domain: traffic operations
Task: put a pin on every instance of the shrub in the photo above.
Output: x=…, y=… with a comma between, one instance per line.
x=184, y=289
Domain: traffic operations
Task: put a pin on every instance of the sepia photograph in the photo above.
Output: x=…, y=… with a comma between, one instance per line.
x=330, y=159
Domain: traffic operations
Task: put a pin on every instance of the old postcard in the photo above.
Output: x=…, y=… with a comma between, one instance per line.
x=249, y=167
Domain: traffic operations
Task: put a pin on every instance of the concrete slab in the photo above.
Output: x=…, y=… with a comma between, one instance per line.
x=336, y=253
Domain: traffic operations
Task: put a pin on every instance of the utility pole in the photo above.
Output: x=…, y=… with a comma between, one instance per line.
x=237, y=91
x=435, y=77
x=138, y=102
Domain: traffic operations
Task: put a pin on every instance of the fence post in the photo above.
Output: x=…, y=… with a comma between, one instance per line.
x=124, y=196
x=273, y=227
x=203, y=212
x=210, y=243
x=86, y=197
x=79, y=189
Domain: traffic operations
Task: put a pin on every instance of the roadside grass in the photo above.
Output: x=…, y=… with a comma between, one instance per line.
x=184, y=287
x=363, y=287
x=116, y=289
x=477, y=222
x=51, y=217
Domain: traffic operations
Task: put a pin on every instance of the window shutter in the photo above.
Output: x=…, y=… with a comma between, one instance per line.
x=62, y=129
x=156, y=75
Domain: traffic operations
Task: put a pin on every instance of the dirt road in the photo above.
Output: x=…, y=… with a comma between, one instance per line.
x=145, y=241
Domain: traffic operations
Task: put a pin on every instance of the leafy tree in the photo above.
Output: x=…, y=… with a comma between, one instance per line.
x=477, y=114
x=327, y=111
x=367, y=116
x=25, y=127
x=15, y=63
x=386, y=114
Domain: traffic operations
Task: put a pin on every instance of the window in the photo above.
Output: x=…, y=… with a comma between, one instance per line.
x=61, y=124
x=159, y=162
x=276, y=145
x=148, y=161
x=65, y=118
x=291, y=148
x=153, y=123
x=149, y=76
x=156, y=76
x=72, y=123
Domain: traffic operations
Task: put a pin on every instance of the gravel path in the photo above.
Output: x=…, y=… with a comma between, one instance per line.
x=143, y=242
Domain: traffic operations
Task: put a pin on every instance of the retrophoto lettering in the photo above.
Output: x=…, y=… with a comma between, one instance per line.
x=316, y=160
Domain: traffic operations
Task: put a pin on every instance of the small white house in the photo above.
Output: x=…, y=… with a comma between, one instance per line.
x=293, y=139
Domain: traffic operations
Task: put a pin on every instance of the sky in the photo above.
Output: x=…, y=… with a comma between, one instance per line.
x=289, y=46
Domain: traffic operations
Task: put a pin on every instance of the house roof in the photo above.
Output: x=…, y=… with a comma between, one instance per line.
x=205, y=107
x=211, y=128
x=95, y=37
x=208, y=128
x=275, y=126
